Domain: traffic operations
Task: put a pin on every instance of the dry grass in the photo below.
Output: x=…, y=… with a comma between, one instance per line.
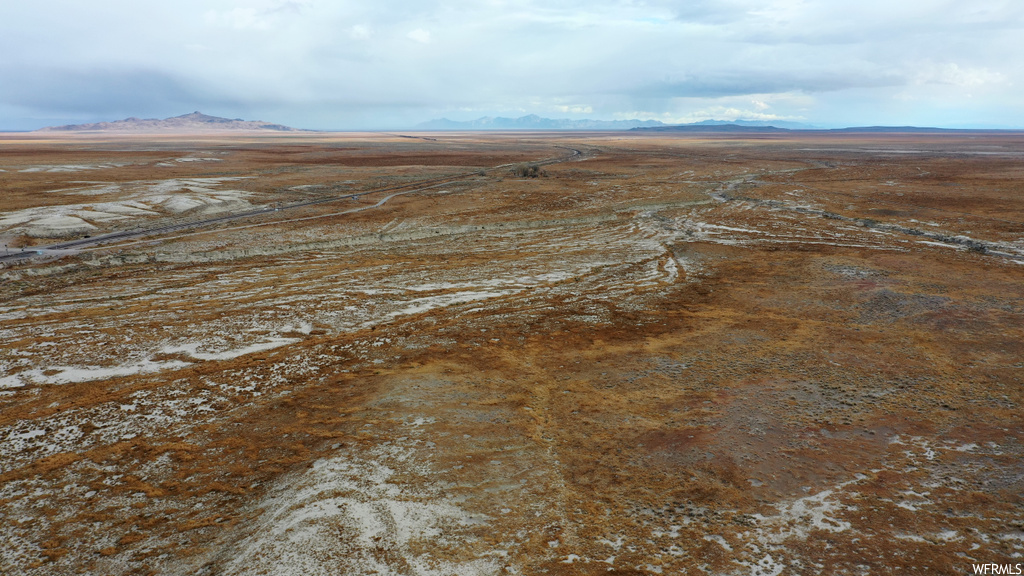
x=673, y=355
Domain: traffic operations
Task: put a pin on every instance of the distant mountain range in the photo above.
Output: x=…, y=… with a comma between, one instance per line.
x=194, y=122
x=752, y=124
x=198, y=122
x=534, y=122
x=714, y=127
x=727, y=127
x=918, y=129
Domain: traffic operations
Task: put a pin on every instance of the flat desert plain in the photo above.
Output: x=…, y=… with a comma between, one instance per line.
x=522, y=353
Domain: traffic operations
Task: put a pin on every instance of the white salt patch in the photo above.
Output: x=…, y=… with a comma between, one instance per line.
x=941, y=244
x=732, y=229
x=817, y=509
x=718, y=540
x=346, y=516
x=181, y=203
x=13, y=381
x=419, y=305
x=433, y=287
x=70, y=374
x=767, y=566
x=94, y=191
x=122, y=209
x=70, y=167
x=549, y=277
x=54, y=226
x=145, y=198
x=672, y=269
x=798, y=518
x=13, y=315
x=192, y=349
x=616, y=545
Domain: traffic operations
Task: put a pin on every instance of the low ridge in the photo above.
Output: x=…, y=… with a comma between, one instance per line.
x=194, y=122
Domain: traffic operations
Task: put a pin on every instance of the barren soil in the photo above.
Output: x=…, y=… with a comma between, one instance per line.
x=795, y=354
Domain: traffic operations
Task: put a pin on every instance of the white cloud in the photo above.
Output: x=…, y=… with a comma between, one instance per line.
x=419, y=35
x=575, y=109
x=239, y=19
x=953, y=74
x=301, y=61
x=728, y=113
x=360, y=32
x=263, y=16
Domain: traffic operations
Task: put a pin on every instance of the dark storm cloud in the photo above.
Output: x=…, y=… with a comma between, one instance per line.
x=97, y=91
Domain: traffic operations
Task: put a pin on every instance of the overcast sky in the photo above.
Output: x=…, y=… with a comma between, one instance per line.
x=393, y=63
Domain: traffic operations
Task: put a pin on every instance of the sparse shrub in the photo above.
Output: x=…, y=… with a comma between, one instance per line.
x=21, y=241
x=528, y=171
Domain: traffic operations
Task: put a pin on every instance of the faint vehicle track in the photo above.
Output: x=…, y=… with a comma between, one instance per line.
x=133, y=234
x=725, y=193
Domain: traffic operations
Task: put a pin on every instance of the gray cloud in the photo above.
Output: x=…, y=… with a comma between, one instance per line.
x=100, y=91
x=736, y=83
x=388, y=63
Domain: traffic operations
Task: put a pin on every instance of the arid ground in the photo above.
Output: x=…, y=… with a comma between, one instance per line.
x=756, y=355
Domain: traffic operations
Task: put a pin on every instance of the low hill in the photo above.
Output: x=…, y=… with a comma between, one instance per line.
x=194, y=122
